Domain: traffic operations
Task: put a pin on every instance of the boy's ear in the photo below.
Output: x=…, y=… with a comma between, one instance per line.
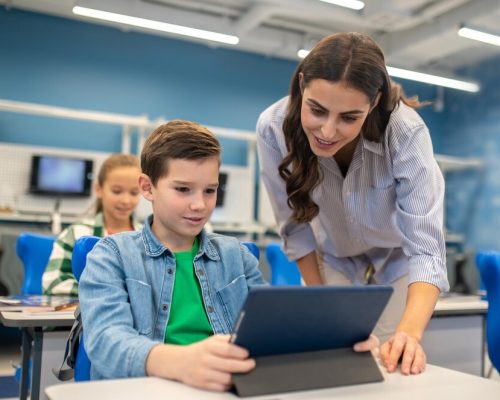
x=146, y=187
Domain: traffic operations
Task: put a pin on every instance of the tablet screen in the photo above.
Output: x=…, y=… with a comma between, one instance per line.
x=291, y=319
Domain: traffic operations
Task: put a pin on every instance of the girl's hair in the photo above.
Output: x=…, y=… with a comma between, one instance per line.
x=111, y=163
x=356, y=60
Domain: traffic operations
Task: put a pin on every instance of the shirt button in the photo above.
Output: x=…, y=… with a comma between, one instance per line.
x=200, y=272
x=170, y=271
x=164, y=307
x=210, y=309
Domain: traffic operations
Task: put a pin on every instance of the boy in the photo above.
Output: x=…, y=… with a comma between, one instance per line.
x=162, y=301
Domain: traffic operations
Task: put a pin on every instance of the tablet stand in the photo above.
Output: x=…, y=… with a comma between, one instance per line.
x=306, y=371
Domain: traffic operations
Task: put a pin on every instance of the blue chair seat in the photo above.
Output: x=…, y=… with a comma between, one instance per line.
x=283, y=271
x=488, y=264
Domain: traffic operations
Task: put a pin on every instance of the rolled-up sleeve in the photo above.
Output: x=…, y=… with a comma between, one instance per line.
x=420, y=197
x=298, y=239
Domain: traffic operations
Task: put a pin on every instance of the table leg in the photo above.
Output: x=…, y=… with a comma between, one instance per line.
x=37, y=364
x=25, y=365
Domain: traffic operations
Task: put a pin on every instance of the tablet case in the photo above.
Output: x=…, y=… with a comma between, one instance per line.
x=302, y=337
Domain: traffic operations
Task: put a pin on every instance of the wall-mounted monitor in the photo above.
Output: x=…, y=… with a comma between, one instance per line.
x=221, y=189
x=60, y=176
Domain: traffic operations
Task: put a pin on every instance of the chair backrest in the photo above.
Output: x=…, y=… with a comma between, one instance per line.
x=283, y=271
x=253, y=249
x=488, y=264
x=34, y=250
x=82, y=247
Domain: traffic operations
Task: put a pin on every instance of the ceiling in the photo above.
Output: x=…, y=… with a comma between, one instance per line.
x=416, y=34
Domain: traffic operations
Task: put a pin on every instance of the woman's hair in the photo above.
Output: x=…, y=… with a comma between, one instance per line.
x=178, y=139
x=111, y=163
x=356, y=60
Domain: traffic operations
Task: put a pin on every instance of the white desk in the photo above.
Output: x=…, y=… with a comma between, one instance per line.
x=434, y=384
x=48, y=347
x=456, y=333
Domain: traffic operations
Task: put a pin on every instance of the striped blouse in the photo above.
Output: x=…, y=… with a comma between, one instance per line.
x=387, y=211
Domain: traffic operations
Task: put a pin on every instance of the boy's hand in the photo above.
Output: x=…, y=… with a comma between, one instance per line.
x=209, y=364
x=408, y=349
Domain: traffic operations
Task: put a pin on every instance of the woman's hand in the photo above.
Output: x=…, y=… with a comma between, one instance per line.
x=370, y=344
x=406, y=348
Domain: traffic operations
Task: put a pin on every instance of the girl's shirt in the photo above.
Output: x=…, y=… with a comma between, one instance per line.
x=58, y=278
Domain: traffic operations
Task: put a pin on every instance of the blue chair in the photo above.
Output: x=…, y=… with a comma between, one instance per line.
x=34, y=250
x=488, y=264
x=253, y=249
x=283, y=271
x=82, y=247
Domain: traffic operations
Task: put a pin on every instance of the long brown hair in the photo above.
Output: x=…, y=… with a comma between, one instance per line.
x=111, y=163
x=358, y=61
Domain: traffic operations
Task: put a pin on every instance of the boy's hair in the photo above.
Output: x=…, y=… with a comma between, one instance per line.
x=111, y=163
x=177, y=139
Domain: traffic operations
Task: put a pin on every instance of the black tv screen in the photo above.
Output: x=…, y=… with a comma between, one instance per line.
x=60, y=176
x=221, y=189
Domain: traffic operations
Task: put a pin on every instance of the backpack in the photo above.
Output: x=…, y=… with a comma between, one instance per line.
x=71, y=351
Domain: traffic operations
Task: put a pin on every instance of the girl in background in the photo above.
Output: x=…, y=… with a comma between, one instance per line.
x=117, y=192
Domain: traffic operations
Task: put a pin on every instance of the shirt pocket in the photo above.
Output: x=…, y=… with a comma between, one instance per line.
x=141, y=304
x=232, y=297
x=381, y=206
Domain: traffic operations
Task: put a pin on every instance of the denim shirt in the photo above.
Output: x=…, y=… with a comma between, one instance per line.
x=126, y=290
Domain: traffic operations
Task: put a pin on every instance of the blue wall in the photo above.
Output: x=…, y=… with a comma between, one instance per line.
x=473, y=130
x=66, y=63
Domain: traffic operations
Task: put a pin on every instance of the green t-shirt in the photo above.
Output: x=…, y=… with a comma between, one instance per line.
x=188, y=322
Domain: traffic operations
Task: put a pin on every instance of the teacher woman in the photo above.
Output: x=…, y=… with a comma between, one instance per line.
x=357, y=194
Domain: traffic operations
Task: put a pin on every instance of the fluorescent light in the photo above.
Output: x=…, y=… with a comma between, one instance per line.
x=156, y=25
x=353, y=4
x=302, y=53
x=421, y=77
x=433, y=79
x=480, y=36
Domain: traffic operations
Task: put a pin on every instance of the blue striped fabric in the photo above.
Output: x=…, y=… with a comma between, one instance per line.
x=387, y=211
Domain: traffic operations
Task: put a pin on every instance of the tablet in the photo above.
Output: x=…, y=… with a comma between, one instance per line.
x=291, y=319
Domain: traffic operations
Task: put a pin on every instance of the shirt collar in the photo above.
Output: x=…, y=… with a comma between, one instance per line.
x=374, y=147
